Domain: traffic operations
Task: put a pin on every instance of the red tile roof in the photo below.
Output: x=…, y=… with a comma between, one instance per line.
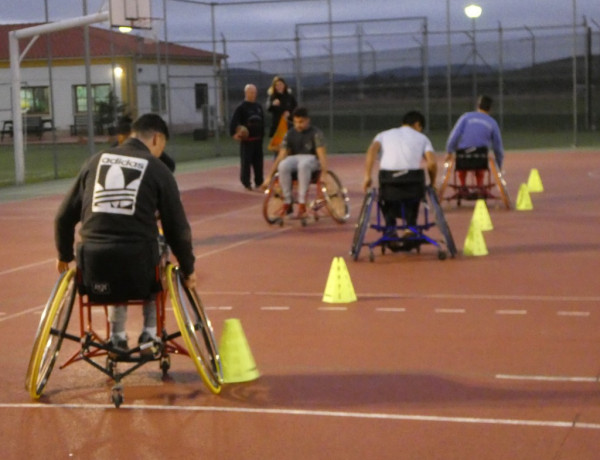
x=68, y=43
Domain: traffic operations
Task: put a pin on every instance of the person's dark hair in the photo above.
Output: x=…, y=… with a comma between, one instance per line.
x=300, y=112
x=150, y=123
x=124, y=125
x=485, y=103
x=412, y=117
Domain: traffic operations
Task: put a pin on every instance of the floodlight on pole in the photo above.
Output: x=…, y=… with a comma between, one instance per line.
x=473, y=11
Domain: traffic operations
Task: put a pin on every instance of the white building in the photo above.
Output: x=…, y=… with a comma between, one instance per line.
x=136, y=70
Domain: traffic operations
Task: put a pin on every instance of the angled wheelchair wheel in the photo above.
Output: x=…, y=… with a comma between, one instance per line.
x=363, y=223
x=448, y=170
x=336, y=197
x=500, y=182
x=50, y=333
x=196, y=330
x=440, y=221
x=273, y=202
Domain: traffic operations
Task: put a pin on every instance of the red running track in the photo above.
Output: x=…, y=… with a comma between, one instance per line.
x=491, y=357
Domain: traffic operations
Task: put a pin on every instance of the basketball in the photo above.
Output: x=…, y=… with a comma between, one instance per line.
x=242, y=133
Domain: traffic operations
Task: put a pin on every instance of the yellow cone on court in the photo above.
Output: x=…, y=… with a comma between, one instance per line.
x=481, y=216
x=534, y=183
x=236, y=357
x=524, y=199
x=474, y=242
x=339, y=287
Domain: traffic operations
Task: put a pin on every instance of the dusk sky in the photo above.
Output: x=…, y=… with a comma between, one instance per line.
x=267, y=30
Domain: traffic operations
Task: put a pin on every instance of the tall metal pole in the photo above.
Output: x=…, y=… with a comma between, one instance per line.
x=88, y=83
x=166, y=31
x=474, y=64
x=225, y=79
x=298, y=68
x=448, y=67
x=501, y=75
x=51, y=93
x=215, y=79
x=574, y=73
x=331, y=71
x=425, y=58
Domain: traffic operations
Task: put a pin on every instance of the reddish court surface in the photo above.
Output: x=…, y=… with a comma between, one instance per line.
x=494, y=357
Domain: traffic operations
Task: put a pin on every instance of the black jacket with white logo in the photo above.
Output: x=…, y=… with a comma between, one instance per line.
x=116, y=197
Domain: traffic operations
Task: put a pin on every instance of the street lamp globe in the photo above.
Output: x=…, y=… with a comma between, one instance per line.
x=473, y=11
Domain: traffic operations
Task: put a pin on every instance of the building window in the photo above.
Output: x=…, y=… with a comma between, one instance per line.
x=100, y=93
x=201, y=91
x=158, y=102
x=36, y=99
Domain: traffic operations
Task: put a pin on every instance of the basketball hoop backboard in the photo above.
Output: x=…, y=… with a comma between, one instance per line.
x=130, y=13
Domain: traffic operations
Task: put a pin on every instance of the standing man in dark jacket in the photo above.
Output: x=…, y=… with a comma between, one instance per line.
x=247, y=127
x=116, y=197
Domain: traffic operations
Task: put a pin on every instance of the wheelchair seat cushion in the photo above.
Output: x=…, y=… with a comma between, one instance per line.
x=472, y=158
x=402, y=185
x=120, y=272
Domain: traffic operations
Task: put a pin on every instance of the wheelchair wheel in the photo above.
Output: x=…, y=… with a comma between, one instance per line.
x=500, y=182
x=336, y=197
x=363, y=224
x=440, y=221
x=196, y=330
x=273, y=202
x=50, y=334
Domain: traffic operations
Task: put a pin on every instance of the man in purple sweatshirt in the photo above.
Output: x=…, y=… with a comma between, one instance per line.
x=470, y=139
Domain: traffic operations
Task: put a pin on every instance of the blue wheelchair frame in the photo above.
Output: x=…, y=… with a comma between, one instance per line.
x=388, y=234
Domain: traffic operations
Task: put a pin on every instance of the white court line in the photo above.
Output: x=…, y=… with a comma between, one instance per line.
x=450, y=310
x=573, y=313
x=546, y=378
x=25, y=267
x=275, y=308
x=370, y=295
x=24, y=312
x=511, y=312
x=332, y=308
x=240, y=243
x=391, y=310
x=222, y=307
x=569, y=424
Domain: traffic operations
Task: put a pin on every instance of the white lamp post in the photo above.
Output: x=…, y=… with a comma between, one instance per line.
x=473, y=11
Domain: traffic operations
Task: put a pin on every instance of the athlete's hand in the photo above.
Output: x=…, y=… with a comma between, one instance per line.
x=62, y=266
x=190, y=281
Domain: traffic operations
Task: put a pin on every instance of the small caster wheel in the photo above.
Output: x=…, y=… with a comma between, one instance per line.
x=442, y=255
x=117, y=395
x=371, y=256
x=165, y=365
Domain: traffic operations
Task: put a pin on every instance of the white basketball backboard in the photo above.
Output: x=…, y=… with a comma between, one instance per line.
x=131, y=13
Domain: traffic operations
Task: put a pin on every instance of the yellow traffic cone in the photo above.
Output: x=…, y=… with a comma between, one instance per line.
x=236, y=358
x=481, y=216
x=339, y=287
x=474, y=242
x=534, y=183
x=523, y=199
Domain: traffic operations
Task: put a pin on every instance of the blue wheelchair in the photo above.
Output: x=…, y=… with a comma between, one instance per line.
x=405, y=197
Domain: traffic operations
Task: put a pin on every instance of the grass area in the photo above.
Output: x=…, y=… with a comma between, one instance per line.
x=45, y=162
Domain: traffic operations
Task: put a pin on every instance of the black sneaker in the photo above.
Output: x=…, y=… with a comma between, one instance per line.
x=117, y=346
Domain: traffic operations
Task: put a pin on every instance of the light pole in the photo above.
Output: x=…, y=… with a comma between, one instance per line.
x=473, y=11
